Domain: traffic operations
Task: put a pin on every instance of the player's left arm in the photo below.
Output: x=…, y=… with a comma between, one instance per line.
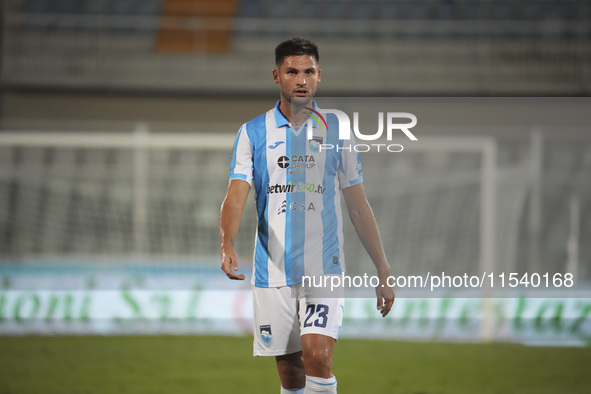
x=366, y=227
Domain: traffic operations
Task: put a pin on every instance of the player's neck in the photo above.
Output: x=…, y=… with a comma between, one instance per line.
x=296, y=118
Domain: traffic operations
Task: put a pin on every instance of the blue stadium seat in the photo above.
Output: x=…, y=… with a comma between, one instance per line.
x=149, y=7
x=307, y=9
x=277, y=9
x=418, y=9
x=250, y=8
x=361, y=9
x=389, y=10
x=445, y=9
x=470, y=9
x=94, y=7
x=123, y=7
x=530, y=10
x=36, y=6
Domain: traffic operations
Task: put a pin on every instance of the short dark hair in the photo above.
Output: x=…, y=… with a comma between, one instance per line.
x=296, y=46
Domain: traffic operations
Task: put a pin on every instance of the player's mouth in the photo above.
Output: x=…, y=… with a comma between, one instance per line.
x=301, y=93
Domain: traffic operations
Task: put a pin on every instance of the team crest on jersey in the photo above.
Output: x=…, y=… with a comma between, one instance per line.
x=266, y=333
x=315, y=143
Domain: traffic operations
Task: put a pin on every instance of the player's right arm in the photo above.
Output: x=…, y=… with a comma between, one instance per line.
x=230, y=217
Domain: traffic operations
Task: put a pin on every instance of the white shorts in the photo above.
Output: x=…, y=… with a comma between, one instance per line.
x=283, y=314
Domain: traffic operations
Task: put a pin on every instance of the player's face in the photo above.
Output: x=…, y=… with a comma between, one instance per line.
x=297, y=78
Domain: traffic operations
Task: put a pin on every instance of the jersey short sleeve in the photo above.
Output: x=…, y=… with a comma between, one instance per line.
x=241, y=166
x=350, y=171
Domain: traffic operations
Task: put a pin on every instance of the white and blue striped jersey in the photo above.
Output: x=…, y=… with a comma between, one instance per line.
x=297, y=193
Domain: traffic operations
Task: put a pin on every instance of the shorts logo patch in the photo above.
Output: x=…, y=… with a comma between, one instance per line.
x=266, y=333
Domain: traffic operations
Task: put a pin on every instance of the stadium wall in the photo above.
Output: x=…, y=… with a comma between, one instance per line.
x=57, y=300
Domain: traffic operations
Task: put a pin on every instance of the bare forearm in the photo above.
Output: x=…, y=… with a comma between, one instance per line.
x=230, y=216
x=231, y=212
x=367, y=229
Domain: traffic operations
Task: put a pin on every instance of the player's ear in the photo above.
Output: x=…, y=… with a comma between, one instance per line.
x=275, y=75
x=319, y=74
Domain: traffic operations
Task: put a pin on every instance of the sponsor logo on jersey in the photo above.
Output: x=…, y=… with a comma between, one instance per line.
x=298, y=206
x=283, y=162
x=297, y=162
x=265, y=331
x=293, y=188
x=302, y=206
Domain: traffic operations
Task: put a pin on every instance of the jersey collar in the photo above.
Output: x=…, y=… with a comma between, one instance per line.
x=280, y=120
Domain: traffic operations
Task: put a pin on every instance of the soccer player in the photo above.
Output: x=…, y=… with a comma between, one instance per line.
x=297, y=192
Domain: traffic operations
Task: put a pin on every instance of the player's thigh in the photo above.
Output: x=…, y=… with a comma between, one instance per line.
x=276, y=321
x=321, y=315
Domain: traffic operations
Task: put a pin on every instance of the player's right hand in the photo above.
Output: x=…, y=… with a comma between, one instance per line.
x=230, y=264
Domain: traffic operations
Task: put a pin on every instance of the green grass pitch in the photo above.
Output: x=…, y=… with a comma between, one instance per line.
x=209, y=364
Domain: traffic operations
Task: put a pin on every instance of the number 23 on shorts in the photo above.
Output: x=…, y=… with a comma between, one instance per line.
x=319, y=310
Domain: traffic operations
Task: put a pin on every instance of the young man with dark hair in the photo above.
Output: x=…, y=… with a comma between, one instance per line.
x=299, y=232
